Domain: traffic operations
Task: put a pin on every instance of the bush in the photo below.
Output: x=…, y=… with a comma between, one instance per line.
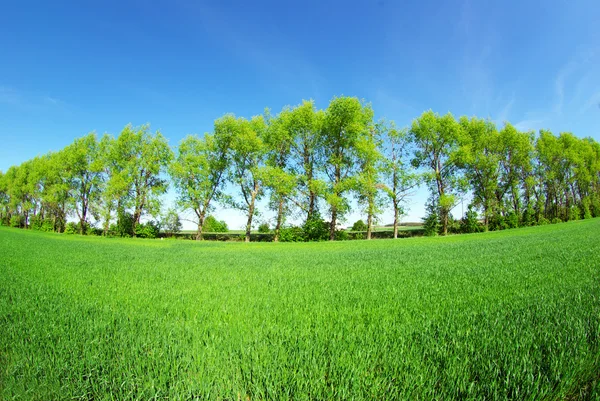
x=470, y=223
x=147, y=230
x=171, y=222
x=431, y=222
x=341, y=235
x=124, y=226
x=556, y=220
x=291, y=234
x=359, y=226
x=574, y=213
x=316, y=229
x=71, y=228
x=16, y=221
x=212, y=225
x=35, y=223
x=512, y=220
x=542, y=221
x=264, y=228
x=498, y=222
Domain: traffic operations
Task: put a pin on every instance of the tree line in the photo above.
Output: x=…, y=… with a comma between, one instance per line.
x=309, y=162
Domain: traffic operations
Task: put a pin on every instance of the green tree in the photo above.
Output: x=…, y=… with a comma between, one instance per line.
x=516, y=152
x=171, y=222
x=399, y=177
x=278, y=174
x=368, y=183
x=83, y=170
x=140, y=160
x=200, y=169
x=305, y=123
x=212, y=225
x=347, y=121
x=247, y=169
x=437, y=140
x=480, y=158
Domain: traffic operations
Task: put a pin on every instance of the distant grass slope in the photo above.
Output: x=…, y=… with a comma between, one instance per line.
x=503, y=315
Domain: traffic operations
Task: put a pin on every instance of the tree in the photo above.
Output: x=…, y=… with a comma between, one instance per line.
x=368, y=179
x=399, y=179
x=346, y=121
x=515, y=166
x=247, y=156
x=171, y=222
x=437, y=140
x=200, y=169
x=212, y=225
x=305, y=124
x=278, y=174
x=83, y=170
x=480, y=158
x=139, y=160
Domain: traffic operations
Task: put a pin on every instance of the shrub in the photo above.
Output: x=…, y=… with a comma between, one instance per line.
x=315, y=228
x=212, y=225
x=359, y=226
x=149, y=229
x=556, y=220
x=431, y=222
x=469, y=223
x=71, y=228
x=341, y=235
x=264, y=228
x=542, y=221
x=171, y=222
x=291, y=234
x=16, y=221
x=574, y=213
x=124, y=226
x=512, y=220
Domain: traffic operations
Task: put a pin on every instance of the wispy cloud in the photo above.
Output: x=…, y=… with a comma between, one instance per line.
x=582, y=68
x=269, y=53
x=504, y=113
x=9, y=96
x=529, y=125
x=29, y=101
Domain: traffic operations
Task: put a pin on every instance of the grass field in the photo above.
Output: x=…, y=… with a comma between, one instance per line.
x=502, y=315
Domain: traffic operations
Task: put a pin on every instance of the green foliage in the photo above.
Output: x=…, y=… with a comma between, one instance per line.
x=359, y=225
x=212, y=225
x=125, y=224
x=171, y=222
x=264, y=228
x=431, y=222
x=512, y=220
x=150, y=229
x=470, y=222
x=16, y=221
x=174, y=320
x=315, y=228
x=341, y=235
x=291, y=234
x=71, y=228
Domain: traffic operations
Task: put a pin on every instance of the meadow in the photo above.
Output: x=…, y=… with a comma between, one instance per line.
x=501, y=315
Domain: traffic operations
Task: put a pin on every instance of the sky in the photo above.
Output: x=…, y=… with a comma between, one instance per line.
x=69, y=68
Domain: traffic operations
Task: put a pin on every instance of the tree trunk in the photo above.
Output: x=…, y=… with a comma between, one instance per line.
x=369, y=225
x=279, y=221
x=332, y=226
x=396, y=218
x=200, y=226
x=250, y=215
x=311, y=205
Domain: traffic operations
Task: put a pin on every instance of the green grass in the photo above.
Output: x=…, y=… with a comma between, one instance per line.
x=503, y=315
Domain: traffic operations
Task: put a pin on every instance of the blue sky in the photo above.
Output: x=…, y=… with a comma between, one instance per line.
x=68, y=68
